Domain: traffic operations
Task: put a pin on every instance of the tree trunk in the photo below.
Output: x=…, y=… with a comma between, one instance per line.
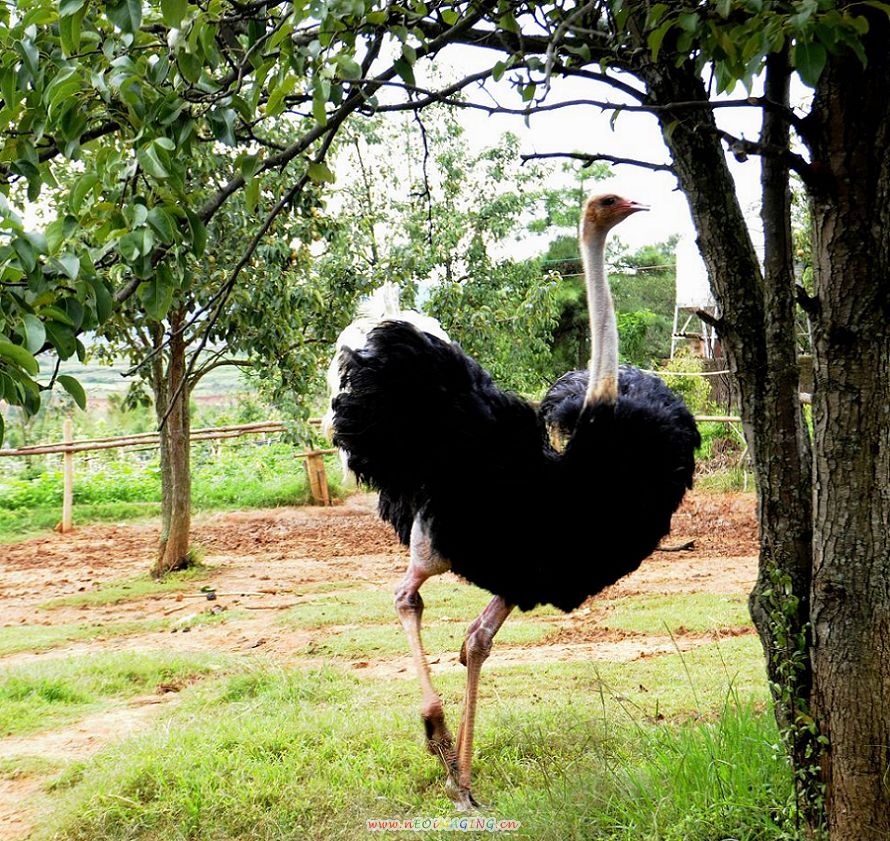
x=176, y=481
x=757, y=330
x=851, y=413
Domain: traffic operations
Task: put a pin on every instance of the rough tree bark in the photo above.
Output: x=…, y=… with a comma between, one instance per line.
x=757, y=328
x=850, y=136
x=176, y=482
x=822, y=601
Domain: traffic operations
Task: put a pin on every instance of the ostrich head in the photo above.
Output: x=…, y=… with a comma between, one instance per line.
x=604, y=212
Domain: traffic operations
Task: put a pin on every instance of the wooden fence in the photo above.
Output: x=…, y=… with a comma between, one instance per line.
x=313, y=459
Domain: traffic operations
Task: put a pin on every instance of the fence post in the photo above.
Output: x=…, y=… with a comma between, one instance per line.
x=318, y=479
x=68, y=493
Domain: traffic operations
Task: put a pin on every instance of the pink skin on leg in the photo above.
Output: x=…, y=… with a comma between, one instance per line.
x=474, y=652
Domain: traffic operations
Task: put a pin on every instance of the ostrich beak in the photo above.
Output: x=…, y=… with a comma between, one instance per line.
x=634, y=206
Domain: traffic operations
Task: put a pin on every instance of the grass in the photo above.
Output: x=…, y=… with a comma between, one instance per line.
x=130, y=589
x=443, y=600
x=444, y=638
x=35, y=638
x=45, y=694
x=23, y=523
x=232, y=478
x=728, y=479
x=17, y=638
x=17, y=767
x=273, y=754
x=676, y=613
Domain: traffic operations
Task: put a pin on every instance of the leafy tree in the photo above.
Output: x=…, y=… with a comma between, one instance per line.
x=435, y=222
x=279, y=328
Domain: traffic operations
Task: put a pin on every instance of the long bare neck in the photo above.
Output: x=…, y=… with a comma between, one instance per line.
x=603, y=384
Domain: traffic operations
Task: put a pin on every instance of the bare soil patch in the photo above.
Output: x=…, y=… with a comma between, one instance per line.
x=283, y=556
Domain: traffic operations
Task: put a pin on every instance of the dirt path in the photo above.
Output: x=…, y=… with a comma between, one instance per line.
x=288, y=556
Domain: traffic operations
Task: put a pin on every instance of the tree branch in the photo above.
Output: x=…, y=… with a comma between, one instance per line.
x=240, y=363
x=47, y=153
x=592, y=159
x=741, y=148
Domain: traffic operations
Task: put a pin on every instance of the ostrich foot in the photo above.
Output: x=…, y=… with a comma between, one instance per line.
x=462, y=797
x=438, y=739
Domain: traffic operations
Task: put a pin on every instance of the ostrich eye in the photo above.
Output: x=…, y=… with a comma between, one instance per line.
x=608, y=202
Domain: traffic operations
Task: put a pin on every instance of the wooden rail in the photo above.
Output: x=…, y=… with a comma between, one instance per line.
x=313, y=459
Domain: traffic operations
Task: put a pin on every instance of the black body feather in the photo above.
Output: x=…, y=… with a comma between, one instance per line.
x=425, y=425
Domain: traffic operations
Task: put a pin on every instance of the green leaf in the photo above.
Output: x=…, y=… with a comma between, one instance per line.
x=190, y=66
x=34, y=331
x=405, y=70
x=81, y=188
x=69, y=31
x=348, y=67
x=222, y=124
x=809, y=59
x=68, y=264
x=450, y=16
x=126, y=15
x=156, y=293
x=173, y=11
x=657, y=36
x=56, y=314
x=70, y=7
x=104, y=301
x=875, y=4
x=25, y=252
x=319, y=109
x=252, y=194
x=198, y=231
x=74, y=388
x=151, y=163
x=21, y=356
x=162, y=224
x=249, y=165
x=320, y=173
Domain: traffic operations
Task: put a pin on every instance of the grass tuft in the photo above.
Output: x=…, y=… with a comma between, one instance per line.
x=42, y=695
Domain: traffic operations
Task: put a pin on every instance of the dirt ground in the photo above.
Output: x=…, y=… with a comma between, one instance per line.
x=281, y=557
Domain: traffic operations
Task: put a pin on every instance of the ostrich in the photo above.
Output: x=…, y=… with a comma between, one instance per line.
x=469, y=480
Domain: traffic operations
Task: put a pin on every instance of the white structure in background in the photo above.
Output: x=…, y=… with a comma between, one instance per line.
x=693, y=294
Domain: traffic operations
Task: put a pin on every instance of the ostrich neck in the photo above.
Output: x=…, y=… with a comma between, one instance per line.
x=603, y=384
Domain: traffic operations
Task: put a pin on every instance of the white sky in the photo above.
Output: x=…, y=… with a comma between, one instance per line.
x=634, y=135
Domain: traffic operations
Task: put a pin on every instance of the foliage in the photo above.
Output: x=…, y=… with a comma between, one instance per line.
x=680, y=375
x=737, y=34
x=435, y=223
x=113, y=108
x=643, y=291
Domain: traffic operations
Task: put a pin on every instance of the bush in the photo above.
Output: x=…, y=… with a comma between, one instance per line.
x=694, y=390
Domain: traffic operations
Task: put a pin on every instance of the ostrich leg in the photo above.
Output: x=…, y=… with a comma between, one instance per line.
x=473, y=653
x=424, y=564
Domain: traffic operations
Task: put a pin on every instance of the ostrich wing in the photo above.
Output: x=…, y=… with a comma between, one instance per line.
x=416, y=416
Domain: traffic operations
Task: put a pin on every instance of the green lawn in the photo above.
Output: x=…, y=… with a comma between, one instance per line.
x=569, y=750
x=679, y=747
